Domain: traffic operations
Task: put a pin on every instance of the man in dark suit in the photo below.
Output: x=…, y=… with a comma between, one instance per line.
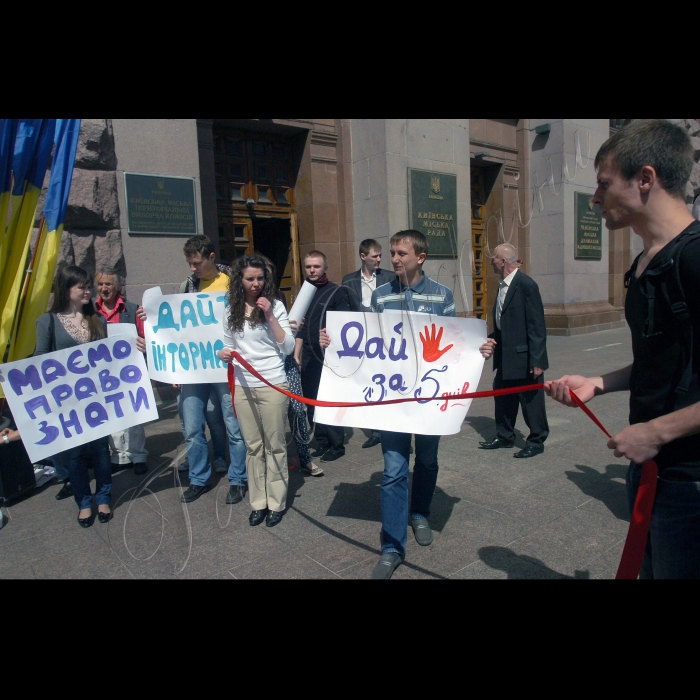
x=370, y=276
x=519, y=348
x=361, y=285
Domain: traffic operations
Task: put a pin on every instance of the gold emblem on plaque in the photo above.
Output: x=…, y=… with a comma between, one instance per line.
x=435, y=183
x=161, y=184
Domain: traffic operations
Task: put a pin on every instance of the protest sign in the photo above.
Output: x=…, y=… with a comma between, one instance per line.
x=128, y=329
x=73, y=396
x=183, y=334
x=393, y=355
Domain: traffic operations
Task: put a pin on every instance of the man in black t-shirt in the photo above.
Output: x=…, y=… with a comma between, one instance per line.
x=642, y=174
x=329, y=297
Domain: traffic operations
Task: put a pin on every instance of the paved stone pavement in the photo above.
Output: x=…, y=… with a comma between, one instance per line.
x=562, y=514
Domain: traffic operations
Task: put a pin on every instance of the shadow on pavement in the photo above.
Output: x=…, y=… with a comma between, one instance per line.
x=603, y=487
x=518, y=566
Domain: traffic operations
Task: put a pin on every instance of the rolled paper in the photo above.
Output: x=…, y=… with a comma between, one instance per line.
x=302, y=303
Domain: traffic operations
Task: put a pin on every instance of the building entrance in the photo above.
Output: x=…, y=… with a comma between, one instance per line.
x=255, y=176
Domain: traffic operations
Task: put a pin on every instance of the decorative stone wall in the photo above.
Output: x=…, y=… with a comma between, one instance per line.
x=693, y=187
x=92, y=234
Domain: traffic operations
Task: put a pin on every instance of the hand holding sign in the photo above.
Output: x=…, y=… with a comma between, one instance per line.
x=431, y=345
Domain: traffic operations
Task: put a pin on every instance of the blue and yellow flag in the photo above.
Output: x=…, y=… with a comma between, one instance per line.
x=33, y=144
x=8, y=132
x=49, y=241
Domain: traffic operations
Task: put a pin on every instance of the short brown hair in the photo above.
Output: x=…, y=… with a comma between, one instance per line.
x=367, y=245
x=419, y=241
x=198, y=244
x=664, y=146
x=317, y=254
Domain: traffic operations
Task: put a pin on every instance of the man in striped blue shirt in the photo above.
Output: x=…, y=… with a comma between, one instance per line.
x=412, y=290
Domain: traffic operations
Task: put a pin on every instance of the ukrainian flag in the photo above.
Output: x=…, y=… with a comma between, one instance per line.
x=32, y=150
x=8, y=132
x=49, y=242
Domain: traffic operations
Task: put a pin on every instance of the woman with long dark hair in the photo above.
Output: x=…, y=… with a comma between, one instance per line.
x=73, y=321
x=258, y=328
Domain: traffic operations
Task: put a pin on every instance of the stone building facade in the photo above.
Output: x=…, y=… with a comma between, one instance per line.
x=287, y=186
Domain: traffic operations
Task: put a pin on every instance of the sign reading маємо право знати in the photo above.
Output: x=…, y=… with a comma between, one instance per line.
x=589, y=228
x=157, y=204
x=432, y=210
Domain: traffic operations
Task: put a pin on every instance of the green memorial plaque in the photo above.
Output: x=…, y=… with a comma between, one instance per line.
x=432, y=210
x=160, y=205
x=589, y=227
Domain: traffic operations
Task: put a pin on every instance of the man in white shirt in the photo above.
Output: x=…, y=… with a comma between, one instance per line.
x=361, y=284
x=519, y=347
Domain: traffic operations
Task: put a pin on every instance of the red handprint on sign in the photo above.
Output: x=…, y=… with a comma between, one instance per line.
x=431, y=345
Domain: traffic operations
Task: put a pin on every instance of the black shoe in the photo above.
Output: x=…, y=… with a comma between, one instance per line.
x=273, y=518
x=528, y=452
x=257, y=516
x=495, y=444
x=66, y=492
x=194, y=492
x=374, y=440
x=104, y=517
x=320, y=451
x=140, y=468
x=235, y=494
x=86, y=522
x=332, y=455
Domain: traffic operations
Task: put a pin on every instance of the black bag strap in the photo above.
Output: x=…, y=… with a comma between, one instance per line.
x=52, y=331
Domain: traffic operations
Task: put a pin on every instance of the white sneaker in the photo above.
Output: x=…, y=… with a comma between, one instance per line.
x=220, y=466
x=185, y=466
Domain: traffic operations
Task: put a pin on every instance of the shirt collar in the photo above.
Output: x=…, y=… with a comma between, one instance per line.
x=362, y=274
x=119, y=306
x=507, y=280
x=418, y=287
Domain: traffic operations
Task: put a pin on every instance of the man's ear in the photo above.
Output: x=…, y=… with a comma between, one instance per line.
x=422, y=258
x=647, y=178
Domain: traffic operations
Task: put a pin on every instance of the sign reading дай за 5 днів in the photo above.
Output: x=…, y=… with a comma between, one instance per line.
x=432, y=210
x=395, y=355
x=157, y=204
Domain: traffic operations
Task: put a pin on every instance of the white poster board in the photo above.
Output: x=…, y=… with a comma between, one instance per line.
x=73, y=396
x=183, y=334
x=393, y=355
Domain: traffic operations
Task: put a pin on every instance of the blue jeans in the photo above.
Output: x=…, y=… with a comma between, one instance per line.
x=193, y=406
x=59, y=464
x=77, y=460
x=394, y=497
x=215, y=421
x=673, y=547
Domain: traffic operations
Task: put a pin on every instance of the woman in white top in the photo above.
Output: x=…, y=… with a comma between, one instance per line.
x=258, y=328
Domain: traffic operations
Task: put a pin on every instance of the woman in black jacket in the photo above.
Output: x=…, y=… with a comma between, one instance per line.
x=73, y=321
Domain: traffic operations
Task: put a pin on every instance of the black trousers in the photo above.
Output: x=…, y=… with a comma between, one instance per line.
x=532, y=404
x=326, y=435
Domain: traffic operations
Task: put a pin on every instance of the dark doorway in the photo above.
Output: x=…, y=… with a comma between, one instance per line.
x=273, y=238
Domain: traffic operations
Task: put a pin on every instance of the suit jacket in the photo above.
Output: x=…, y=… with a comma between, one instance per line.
x=353, y=281
x=522, y=341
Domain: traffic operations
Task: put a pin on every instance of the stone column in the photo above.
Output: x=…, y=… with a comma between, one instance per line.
x=575, y=292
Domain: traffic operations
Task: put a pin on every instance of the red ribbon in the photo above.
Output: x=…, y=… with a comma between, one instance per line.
x=635, y=544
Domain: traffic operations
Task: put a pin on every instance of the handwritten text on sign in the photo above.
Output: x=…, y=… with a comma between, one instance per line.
x=73, y=396
x=183, y=334
x=377, y=357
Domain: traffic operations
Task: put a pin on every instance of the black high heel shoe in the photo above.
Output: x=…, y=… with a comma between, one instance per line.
x=104, y=517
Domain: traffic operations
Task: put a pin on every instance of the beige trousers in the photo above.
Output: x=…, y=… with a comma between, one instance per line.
x=261, y=415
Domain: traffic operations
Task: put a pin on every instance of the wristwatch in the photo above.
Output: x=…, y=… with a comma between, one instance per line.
x=6, y=439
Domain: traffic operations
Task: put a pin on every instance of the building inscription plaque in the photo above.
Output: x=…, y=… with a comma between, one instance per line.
x=432, y=210
x=160, y=205
x=589, y=227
